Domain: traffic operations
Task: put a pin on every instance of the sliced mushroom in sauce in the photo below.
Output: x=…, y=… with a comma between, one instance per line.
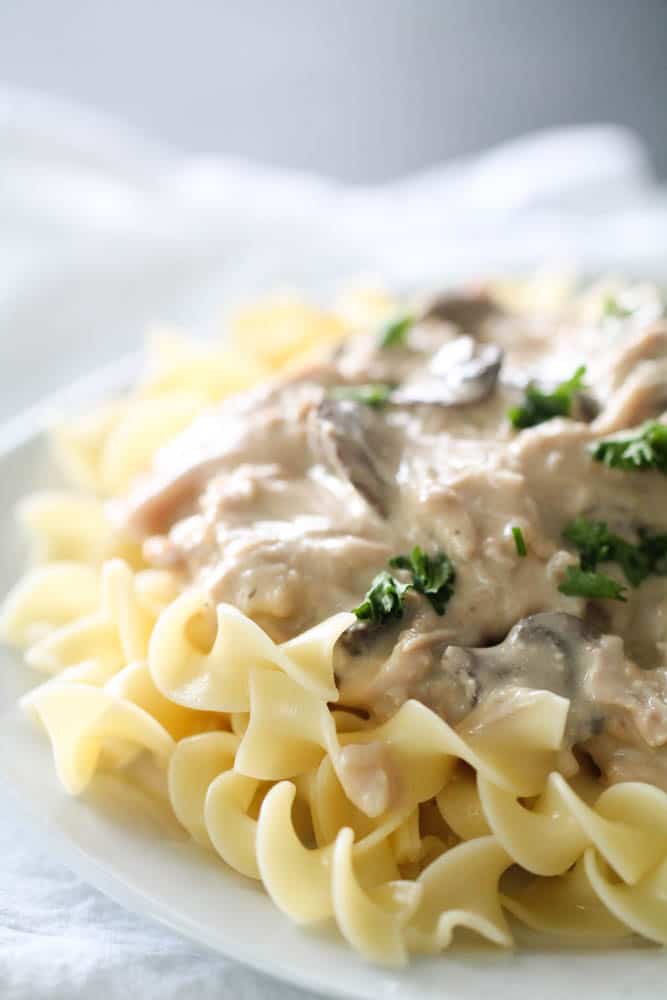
x=287, y=503
x=469, y=311
x=459, y=374
x=554, y=652
x=341, y=433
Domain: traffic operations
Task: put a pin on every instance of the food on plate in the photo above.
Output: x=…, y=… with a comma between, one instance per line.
x=382, y=591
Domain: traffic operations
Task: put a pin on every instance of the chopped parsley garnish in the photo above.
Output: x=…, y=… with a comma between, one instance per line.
x=539, y=406
x=580, y=582
x=432, y=576
x=612, y=309
x=393, y=334
x=383, y=600
x=654, y=548
x=596, y=544
x=646, y=448
x=374, y=394
x=519, y=542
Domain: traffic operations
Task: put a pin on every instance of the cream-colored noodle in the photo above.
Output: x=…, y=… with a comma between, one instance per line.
x=253, y=743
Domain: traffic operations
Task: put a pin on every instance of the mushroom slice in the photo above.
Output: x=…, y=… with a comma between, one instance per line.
x=467, y=310
x=340, y=433
x=461, y=372
x=411, y=659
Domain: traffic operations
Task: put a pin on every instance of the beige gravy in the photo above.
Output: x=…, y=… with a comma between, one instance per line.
x=287, y=500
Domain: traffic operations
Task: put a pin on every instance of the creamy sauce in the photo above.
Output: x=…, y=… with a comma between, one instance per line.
x=286, y=501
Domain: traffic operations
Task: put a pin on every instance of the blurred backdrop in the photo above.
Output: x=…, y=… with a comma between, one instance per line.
x=362, y=90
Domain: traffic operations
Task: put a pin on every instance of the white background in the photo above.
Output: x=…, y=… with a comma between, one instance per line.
x=359, y=89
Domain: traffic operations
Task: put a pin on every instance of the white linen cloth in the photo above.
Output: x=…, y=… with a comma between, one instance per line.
x=102, y=232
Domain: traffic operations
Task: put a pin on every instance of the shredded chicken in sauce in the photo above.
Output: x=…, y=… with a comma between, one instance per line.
x=287, y=501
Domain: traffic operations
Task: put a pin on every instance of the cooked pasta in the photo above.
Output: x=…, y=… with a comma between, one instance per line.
x=291, y=749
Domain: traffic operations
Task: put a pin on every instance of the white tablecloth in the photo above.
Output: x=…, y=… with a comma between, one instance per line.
x=102, y=232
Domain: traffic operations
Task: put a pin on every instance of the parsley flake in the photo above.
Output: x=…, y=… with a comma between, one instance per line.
x=596, y=544
x=612, y=309
x=655, y=549
x=373, y=394
x=393, y=334
x=432, y=576
x=645, y=449
x=519, y=542
x=539, y=406
x=580, y=582
x=383, y=600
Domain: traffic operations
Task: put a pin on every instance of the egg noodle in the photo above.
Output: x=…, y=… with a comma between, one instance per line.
x=248, y=732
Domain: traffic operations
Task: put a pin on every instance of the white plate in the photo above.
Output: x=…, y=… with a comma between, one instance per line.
x=130, y=850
